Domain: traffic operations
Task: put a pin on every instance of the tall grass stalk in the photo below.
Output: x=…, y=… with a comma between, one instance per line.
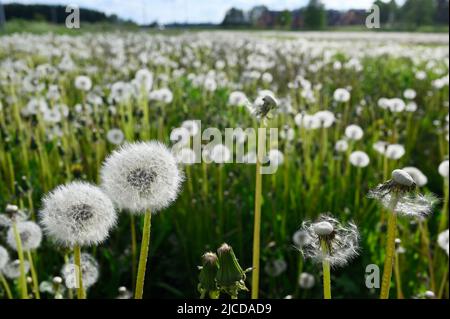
x=143, y=256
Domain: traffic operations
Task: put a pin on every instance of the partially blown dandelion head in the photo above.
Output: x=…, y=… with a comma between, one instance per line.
x=89, y=271
x=342, y=241
x=4, y=257
x=141, y=176
x=263, y=106
x=399, y=195
x=30, y=235
x=77, y=214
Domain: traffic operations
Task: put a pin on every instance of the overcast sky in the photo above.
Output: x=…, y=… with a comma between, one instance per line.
x=165, y=11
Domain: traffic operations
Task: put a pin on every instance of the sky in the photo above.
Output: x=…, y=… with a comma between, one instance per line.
x=193, y=11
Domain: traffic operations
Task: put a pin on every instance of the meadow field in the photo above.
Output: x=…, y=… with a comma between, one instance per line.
x=348, y=109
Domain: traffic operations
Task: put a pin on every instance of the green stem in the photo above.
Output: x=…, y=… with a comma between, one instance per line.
x=398, y=278
x=326, y=271
x=81, y=294
x=34, y=276
x=390, y=249
x=257, y=222
x=133, y=250
x=22, y=279
x=143, y=256
x=6, y=286
x=443, y=283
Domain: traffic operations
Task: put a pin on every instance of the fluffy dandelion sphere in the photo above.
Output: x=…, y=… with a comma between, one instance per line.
x=409, y=94
x=141, y=176
x=395, y=151
x=359, y=159
x=83, y=83
x=341, y=95
x=275, y=157
x=306, y=280
x=342, y=241
x=89, y=271
x=354, y=132
x=419, y=178
x=4, y=257
x=341, y=146
x=12, y=269
x=30, y=235
x=77, y=214
x=442, y=241
x=115, y=136
x=443, y=169
x=300, y=238
x=237, y=98
x=275, y=267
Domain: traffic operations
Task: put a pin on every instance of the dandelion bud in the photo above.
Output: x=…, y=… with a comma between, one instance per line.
x=230, y=276
x=207, y=276
x=402, y=178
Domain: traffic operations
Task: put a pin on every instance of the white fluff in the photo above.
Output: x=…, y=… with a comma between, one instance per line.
x=4, y=257
x=141, y=176
x=30, y=235
x=77, y=214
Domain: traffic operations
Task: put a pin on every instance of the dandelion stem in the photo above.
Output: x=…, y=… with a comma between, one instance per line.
x=257, y=222
x=390, y=249
x=143, y=256
x=133, y=249
x=443, y=283
x=6, y=286
x=34, y=276
x=22, y=279
x=398, y=278
x=78, y=272
x=326, y=271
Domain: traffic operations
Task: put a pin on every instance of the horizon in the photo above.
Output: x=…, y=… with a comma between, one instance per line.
x=190, y=11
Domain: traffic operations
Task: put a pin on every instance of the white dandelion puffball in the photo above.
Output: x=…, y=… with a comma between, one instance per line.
x=12, y=269
x=144, y=79
x=141, y=176
x=185, y=156
x=354, y=132
x=89, y=271
x=395, y=151
x=380, y=147
x=191, y=126
x=342, y=241
x=276, y=157
x=83, y=83
x=115, y=136
x=4, y=257
x=341, y=95
x=77, y=214
x=30, y=235
x=359, y=159
x=306, y=280
x=409, y=94
x=341, y=146
x=237, y=98
x=396, y=105
x=220, y=153
x=419, y=178
x=276, y=267
x=442, y=241
x=300, y=238
x=443, y=169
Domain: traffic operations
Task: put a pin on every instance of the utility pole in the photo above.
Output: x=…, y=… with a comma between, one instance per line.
x=2, y=15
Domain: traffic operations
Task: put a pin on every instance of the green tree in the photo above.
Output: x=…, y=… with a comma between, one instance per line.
x=315, y=15
x=285, y=19
x=418, y=12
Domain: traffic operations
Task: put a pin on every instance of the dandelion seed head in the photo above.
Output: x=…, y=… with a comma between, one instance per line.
x=359, y=159
x=342, y=242
x=77, y=214
x=237, y=98
x=30, y=235
x=341, y=146
x=300, y=238
x=326, y=118
x=341, y=95
x=275, y=157
x=12, y=269
x=443, y=169
x=89, y=270
x=141, y=176
x=115, y=136
x=306, y=280
x=442, y=241
x=354, y=132
x=83, y=83
x=4, y=257
x=276, y=267
x=395, y=151
x=419, y=178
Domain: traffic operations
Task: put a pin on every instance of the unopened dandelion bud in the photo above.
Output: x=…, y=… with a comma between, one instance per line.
x=230, y=276
x=207, y=277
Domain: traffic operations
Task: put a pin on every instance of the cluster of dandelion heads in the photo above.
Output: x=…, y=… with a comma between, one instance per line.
x=4, y=257
x=89, y=270
x=30, y=235
x=77, y=214
x=342, y=241
x=142, y=176
x=408, y=201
